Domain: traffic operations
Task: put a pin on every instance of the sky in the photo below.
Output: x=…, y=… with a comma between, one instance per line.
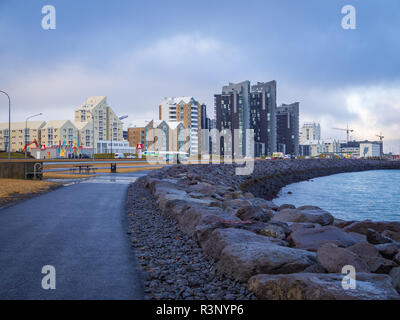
x=138, y=52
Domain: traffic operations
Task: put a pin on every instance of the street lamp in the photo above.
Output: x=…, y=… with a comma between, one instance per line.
x=26, y=130
x=9, y=125
x=92, y=113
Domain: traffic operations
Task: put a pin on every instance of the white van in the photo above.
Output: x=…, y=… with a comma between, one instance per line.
x=119, y=156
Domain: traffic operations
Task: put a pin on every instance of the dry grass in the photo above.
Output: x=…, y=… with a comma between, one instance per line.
x=10, y=187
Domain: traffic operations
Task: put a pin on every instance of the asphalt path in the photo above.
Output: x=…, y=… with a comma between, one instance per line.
x=80, y=230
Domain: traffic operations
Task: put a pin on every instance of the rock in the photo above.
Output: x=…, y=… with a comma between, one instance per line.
x=249, y=195
x=341, y=223
x=395, y=275
x=220, y=238
x=286, y=206
x=392, y=235
x=196, y=195
x=315, y=268
x=263, y=203
x=397, y=258
x=300, y=226
x=233, y=205
x=309, y=208
x=244, y=260
x=371, y=256
x=312, y=238
x=312, y=216
x=204, y=188
x=254, y=213
x=279, y=230
x=363, y=226
x=311, y=286
x=375, y=237
x=195, y=216
x=333, y=259
x=388, y=250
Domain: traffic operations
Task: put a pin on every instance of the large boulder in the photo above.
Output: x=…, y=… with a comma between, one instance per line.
x=375, y=237
x=219, y=238
x=363, y=226
x=243, y=260
x=371, y=256
x=254, y=213
x=312, y=238
x=206, y=189
x=262, y=203
x=279, y=230
x=319, y=216
x=392, y=235
x=395, y=275
x=311, y=286
x=397, y=258
x=286, y=206
x=333, y=259
x=194, y=216
x=233, y=205
x=388, y=250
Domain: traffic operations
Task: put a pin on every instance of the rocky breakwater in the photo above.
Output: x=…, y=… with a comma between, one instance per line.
x=280, y=252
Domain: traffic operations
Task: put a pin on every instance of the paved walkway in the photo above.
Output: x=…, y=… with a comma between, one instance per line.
x=79, y=229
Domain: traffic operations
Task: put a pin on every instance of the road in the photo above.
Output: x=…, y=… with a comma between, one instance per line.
x=81, y=230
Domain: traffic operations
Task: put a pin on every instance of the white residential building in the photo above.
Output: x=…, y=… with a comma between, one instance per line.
x=107, y=125
x=186, y=110
x=311, y=131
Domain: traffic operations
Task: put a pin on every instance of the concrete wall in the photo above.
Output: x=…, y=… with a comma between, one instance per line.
x=16, y=170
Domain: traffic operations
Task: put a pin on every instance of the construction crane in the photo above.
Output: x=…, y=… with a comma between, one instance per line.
x=380, y=136
x=28, y=144
x=348, y=131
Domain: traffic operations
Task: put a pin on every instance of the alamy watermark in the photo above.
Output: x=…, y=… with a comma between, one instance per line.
x=228, y=146
x=349, y=21
x=49, y=20
x=349, y=281
x=49, y=280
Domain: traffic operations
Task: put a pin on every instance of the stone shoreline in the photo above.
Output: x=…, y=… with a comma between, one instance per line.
x=279, y=252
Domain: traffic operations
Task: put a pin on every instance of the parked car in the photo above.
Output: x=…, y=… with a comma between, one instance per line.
x=131, y=157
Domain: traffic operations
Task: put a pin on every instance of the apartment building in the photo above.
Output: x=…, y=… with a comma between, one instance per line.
x=263, y=117
x=310, y=131
x=243, y=107
x=188, y=111
x=171, y=136
x=85, y=133
x=59, y=132
x=232, y=112
x=22, y=133
x=107, y=125
x=136, y=136
x=287, y=119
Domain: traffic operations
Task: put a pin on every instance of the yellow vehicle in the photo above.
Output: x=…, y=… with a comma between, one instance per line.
x=277, y=155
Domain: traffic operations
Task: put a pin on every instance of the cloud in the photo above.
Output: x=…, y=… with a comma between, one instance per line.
x=135, y=81
x=368, y=110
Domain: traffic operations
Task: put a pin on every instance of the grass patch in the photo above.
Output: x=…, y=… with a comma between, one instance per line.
x=10, y=187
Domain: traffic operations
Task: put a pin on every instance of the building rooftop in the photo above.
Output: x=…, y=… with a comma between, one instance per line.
x=21, y=125
x=178, y=100
x=80, y=125
x=56, y=123
x=91, y=102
